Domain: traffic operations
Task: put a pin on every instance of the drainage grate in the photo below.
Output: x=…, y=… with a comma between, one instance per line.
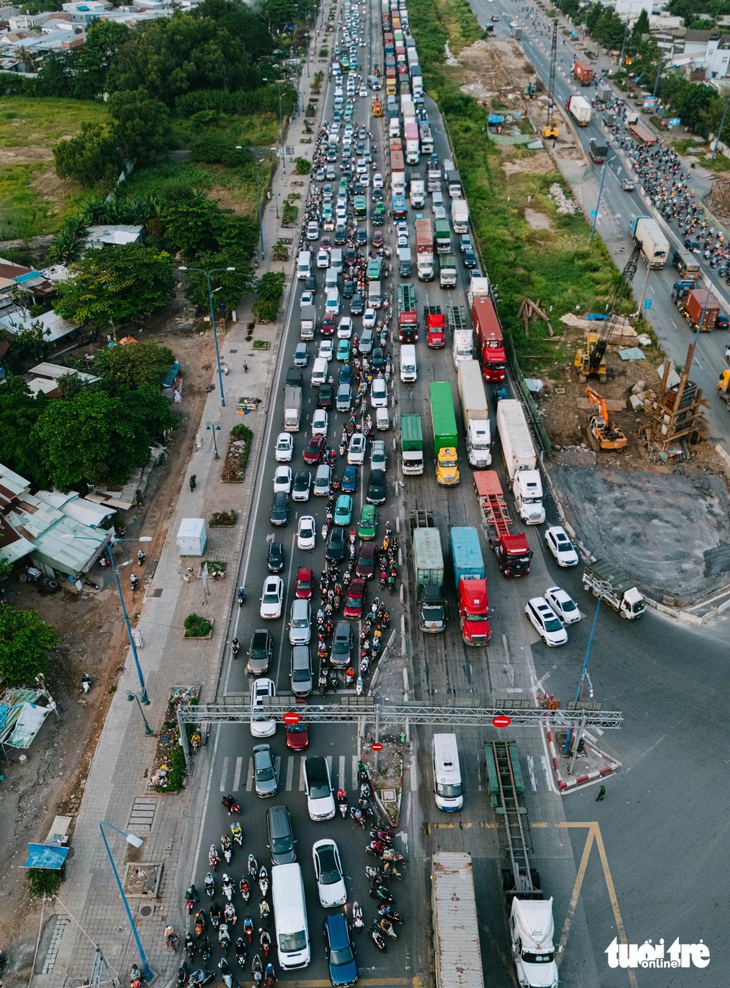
x=143, y=813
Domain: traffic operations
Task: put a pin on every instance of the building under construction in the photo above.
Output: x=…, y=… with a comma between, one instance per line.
x=676, y=419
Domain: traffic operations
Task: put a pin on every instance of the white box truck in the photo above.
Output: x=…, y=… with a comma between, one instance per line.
x=521, y=461
x=580, y=110
x=475, y=410
x=460, y=216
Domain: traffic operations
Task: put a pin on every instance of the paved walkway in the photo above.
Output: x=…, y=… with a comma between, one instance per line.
x=116, y=788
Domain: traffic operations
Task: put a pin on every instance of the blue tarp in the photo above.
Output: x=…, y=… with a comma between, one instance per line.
x=494, y=119
x=46, y=856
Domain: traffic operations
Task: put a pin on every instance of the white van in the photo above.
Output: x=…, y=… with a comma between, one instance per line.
x=290, y=916
x=408, y=368
x=382, y=419
x=336, y=259
x=319, y=372
x=394, y=127
x=375, y=296
x=304, y=264
x=332, y=305
x=446, y=773
x=447, y=166
x=330, y=278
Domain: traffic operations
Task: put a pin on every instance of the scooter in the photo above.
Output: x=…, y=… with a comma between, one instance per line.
x=209, y=885
x=357, y=919
x=241, y=595
x=235, y=647
x=213, y=857
x=231, y=805
x=377, y=937
x=264, y=881
x=193, y=482
x=86, y=683
x=237, y=833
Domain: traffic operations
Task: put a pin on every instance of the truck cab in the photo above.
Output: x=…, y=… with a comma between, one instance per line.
x=447, y=467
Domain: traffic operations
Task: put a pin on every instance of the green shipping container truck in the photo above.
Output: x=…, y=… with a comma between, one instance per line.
x=445, y=434
x=411, y=445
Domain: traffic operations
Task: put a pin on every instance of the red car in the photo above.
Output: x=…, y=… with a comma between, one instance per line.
x=297, y=736
x=328, y=326
x=314, y=450
x=325, y=244
x=355, y=600
x=305, y=579
x=366, y=560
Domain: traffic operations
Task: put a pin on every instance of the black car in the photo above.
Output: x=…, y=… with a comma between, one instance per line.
x=470, y=258
x=310, y=284
x=340, y=235
x=376, y=487
x=275, y=560
x=348, y=288
x=362, y=236
x=357, y=306
x=336, y=545
x=692, y=245
x=294, y=377
x=280, y=509
x=377, y=195
x=377, y=358
x=324, y=398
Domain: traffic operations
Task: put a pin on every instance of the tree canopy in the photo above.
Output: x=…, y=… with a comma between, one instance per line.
x=24, y=642
x=134, y=366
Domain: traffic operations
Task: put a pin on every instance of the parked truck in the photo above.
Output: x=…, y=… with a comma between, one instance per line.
x=580, y=110
x=460, y=216
x=475, y=410
x=509, y=544
x=520, y=459
x=447, y=270
x=471, y=586
x=599, y=149
x=700, y=304
x=443, y=237
x=411, y=440
x=654, y=245
x=456, y=949
x=435, y=327
x=615, y=588
x=583, y=72
x=424, y=249
x=428, y=562
x=407, y=314
x=417, y=191
x=292, y=409
x=445, y=436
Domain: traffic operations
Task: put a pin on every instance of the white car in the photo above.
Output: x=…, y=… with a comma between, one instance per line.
x=545, y=621
x=378, y=455
x=563, y=605
x=306, y=533
x=363, y=90
x=356, y=449
x=312, y=231
x=306, y=299
x=272, y=598
x=318, y=787
x=561, y=547
x=326, y=350
x=322, y=480
x=341, y=212
x=282, y=480
x=328, y=870
x=284, y=449
x=323, y=258
x=364, y=179
x=361, y=166
x=260, y=689
x=377, y=181
x=379, y=394
x=320, y=422
x=369, y=319
x=344, y=329
x=401, y=230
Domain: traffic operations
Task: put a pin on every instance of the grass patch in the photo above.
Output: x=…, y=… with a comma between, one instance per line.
x=44, y=122
x=197, y=626
x=257, y=130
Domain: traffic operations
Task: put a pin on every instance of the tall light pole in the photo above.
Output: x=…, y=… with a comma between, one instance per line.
x=584, y=671
x=214, y=427
x=598, y=203
x=279, y=84
x=135, y=842
x=206, y=275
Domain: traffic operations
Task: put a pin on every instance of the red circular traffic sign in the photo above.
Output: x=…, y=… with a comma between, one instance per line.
x=501, y=721
x=291, y=717
x=376, y=746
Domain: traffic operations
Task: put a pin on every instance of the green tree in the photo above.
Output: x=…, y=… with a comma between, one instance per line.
x=229, y=287
x=55, y=77
x=24, y=642
x=88, y=158
x=141, y=125
x=19, y=412
x=193, y=223
x=117, y=284
x=136, y=365
x=642, y=25
x=93, y=60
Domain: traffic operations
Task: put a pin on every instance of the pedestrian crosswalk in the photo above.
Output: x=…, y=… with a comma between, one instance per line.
x=237, y=773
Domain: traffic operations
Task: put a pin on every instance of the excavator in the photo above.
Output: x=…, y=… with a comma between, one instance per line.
x=605, y=432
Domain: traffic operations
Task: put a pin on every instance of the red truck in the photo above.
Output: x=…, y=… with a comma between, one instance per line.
x=697, y=301
x=642, y=133
x=435, y=327
x=488, y=340
x=583, y=73
x=510, y=546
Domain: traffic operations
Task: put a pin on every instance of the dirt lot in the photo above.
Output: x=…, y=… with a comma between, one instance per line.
x=93, y=641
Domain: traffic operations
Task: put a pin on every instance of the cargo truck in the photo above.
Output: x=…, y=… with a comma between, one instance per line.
x=417, y=80
x=428, y=562
x=599, y=149
x=433, y=176
x=583, y=72
x=580, y=110
x=397, y=173
x=447, y=270
x=443, y=237
x=426, y=138
x=510, y=545
x=417, y=191
x=471, y=586
x=407, y=314
x=435, y=327
x=424, y=249
x=404, y=262
x=292, y=409
x=460, y=216
x=521, y=461
x=411, y=439
x=654, y=245
x=615, y=588
x=307, y=322
x=462, y=347
x=700, y=304
x=445, y=436
x=488, y=340
x=453, y=183
x=475, y=410
x=478, y=288
x=456, y=948
x=413, y=147
x=642, y=133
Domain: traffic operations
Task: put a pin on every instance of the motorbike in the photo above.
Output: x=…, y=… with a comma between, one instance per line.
x=224, y=938
x=190, y=948
x=248, y=928
x=235, y=647
x=215, y=915
x=245, y=889
x=253, y=868
x=381, y=893
x=200, y=923
x=241, y=951
x=200, y=977
x=227, y=847
x=391, y=871
x=387, y=910
x=386, y=836
x=191, y=897
x=86, y=683
x=133, y=581
x=377, y=937
x=224, y=968
x=230, y=913
x=357, y=920
x=204, y=946
x=270, y=974
x=228, y=887
x=390, y=855
x=265, y=941
x=182, y=975
x=231, y=805
x=241, y=595
x=264, y=911
x=237, y=833
x=385, y=926
x=342, y=803
x=359, y=686
x=257, y=969
x=264, y=881
x=213, y=857
x=141, y=558
x=357, y=815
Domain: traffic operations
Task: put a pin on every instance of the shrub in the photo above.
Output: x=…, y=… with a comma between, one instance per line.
x=302, y=166
x=42, y=882
x=197, y=626
x=223, y=519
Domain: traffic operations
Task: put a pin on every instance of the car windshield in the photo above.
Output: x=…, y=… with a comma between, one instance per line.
x=552, y=624
x=265, y=773
x=341, y=957
x=328, y=870
x=319, y=790
x=353, y=601
x=568, y=605
x=289, y=943
x=280, y=845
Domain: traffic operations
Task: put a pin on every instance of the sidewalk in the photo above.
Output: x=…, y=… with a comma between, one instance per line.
x=116, y=788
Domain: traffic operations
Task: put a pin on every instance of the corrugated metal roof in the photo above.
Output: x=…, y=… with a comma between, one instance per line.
x=455, y=922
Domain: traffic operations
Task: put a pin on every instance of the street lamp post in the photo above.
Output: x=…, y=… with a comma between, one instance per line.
x=584, y=672
x=598, y=203
x=135, y=842
x=279, y=84
x=214, y=427
x=131, y=697
x=206, y=275
x=276, y=203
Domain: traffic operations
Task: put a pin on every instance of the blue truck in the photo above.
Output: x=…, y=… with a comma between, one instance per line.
x=471, y=586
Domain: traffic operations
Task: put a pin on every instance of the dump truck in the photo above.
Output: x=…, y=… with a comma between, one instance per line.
x=475, y=410
x=411, y=440
x=520, y=459
x=471, y=586
x=615, y=588
x=696, y=302
x=460, y=216
x=580, y=110
x=456, y=948
x=447, y=271
x=428, y=563
x=445, y=436
x=654, y=245
x=583, y=72
x=531, y=922
x=435, y=327
x=292, y=409
x=424, y=249
x=598, y=147
x=509, y=544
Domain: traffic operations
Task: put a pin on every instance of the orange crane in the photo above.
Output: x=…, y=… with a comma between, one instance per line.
x=606, y=433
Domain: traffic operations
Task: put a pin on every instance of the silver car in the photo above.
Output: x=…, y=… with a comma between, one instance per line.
x=264, y=772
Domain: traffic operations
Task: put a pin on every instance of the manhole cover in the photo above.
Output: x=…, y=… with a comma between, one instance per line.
x=146, y=911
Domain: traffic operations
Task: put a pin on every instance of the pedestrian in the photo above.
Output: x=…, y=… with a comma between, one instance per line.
x=245, y=366
x=601, y=794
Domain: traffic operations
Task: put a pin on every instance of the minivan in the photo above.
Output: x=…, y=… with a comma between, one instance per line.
x=382, y=419
x=375, y=296
x=301, y=671
x=437, y=199
x=300, y=622
x=319, y=372
x=344, y=397
x=336, y=259
x=281, y=835
x=290, y=916
x=332, y=305
x=408, y=368
x=446, y=773
x=304, y=264
x=331, y=278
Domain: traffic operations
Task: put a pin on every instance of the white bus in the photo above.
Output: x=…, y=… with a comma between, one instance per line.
x=446, y=773
x=290, y=916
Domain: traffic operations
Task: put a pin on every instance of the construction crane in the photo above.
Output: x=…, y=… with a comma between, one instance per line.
x=550, y=130
x=605, y=432
x=590, y=360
